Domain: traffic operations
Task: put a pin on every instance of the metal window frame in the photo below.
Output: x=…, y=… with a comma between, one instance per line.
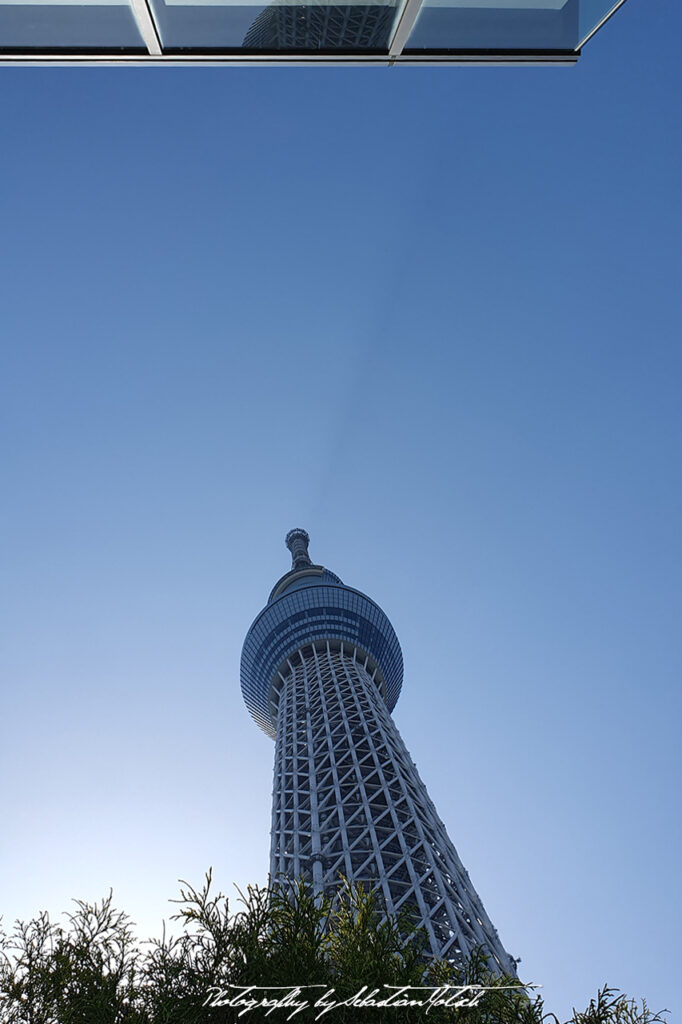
x=428, y=58
x=394, y=56
x=147, y=27
x=601, y=24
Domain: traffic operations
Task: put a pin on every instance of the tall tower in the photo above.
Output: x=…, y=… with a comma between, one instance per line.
x=321, y=672
x=319, y=25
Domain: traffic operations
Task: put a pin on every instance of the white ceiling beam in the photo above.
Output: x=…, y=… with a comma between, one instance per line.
x=404, y=26
x=147, y=26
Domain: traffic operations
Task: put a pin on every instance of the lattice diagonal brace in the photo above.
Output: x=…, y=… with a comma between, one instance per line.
x=347, y=798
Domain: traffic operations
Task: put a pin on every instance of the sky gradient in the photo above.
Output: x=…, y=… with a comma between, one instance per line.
x=430, y=315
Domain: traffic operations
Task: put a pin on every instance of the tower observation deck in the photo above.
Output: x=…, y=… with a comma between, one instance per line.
x=321, y=671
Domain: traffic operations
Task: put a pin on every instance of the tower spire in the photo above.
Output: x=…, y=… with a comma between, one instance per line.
x=297, y=541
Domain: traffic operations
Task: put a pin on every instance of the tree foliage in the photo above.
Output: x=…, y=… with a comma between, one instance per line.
x=93, y=971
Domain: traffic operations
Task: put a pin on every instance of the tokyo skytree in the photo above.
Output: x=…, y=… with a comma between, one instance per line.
x=321, y=671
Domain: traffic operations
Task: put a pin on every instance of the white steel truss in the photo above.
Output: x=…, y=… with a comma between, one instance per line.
x=348, y=801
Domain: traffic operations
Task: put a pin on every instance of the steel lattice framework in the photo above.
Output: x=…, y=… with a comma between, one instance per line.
x=347, y=798
x=320, y=25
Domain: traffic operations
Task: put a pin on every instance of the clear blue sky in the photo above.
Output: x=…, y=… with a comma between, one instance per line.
x=431, y=315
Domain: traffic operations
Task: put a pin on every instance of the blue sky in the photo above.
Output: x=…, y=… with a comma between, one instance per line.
x=431, y=315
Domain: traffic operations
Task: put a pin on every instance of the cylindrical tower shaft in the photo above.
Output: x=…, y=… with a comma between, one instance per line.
x=321, y=671
x=348, y=801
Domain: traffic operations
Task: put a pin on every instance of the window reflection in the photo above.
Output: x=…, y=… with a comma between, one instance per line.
x=497, y=24
x=321, y=27
x=69, y=25
x=276, y=27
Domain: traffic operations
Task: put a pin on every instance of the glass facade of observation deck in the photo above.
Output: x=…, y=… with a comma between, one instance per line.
x=222, y=31
x=304, y=615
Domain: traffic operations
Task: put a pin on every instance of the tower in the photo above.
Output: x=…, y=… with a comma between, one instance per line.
x=321, y=672
x=319, y=25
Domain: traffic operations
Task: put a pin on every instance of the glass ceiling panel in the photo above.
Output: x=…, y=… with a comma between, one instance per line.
x=68, y=25
x=506, y=24
x=253, y=26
